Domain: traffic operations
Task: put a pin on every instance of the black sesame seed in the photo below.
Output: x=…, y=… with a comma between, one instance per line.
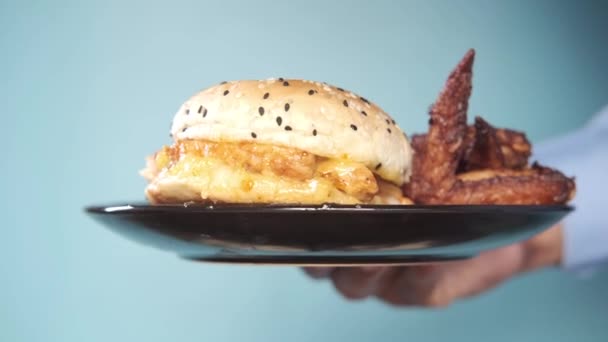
x=393, y=121
x=353, y=127
x=224, y=82
x=378, y=166
x=287, y=107
x=430, y=121
x=340, y=89
x=311, y=92
x=226, y=92
x=253, y=135
x=200, y=108
x=288, y=128
x=363, y=112
x=314, y=132
x=279, y=120
x=285, y=83
x=261, y=110
x=345, y=103
x=364, y=100
x=184, y=129
x=266, y=96
x=388, y=121
x=281, y=79
x=389, y=130
x=187, y=111
x=205, y=112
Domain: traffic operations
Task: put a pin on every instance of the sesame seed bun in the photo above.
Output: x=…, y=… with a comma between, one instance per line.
x=311, y=116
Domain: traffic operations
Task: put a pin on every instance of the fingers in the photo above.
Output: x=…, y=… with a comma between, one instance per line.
x=351, y=282
x=440, y=285
x=485, y=272
x=423, y=285
x=357, y=282
x=545, y=249
x=318, y=272
x=432, y=285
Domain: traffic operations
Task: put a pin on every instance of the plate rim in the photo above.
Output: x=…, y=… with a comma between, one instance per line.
x=144, y=208
x=145, y=212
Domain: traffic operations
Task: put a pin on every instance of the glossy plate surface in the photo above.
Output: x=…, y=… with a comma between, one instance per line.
x=327, y=234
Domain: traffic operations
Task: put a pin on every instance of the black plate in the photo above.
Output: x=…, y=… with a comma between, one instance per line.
x=327, y=234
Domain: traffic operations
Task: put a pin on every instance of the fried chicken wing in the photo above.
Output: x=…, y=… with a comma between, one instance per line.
x=486, y=151
x=515, y=147
x=435, y=167
x=479, y=164
x=487, y=147
x=532, y=186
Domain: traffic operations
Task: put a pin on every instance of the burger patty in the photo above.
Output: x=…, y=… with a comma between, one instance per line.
x=198, y=170
x=256, y=158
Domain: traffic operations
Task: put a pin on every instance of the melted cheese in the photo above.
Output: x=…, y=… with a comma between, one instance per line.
x=211, y=179
x=181, y=174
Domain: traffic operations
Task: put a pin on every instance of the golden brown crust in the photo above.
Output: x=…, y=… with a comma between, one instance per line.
x=202, y=171
x=515, y=148
x=533, y=186
x=494, y=148
x=486, y=151
x=258, y=158
x=433, y=173
x=496, y=159
x=389, y=193
x=350, y=178
x=487, y=147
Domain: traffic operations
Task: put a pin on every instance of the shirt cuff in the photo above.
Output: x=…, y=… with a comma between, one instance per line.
x=584, y=155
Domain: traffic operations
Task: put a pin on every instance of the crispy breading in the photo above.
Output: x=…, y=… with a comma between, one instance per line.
x=198, y=170
x=509, y=149
x=456, y=164
x=434, y=172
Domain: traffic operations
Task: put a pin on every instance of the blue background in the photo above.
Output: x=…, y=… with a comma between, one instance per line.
x=88, y=89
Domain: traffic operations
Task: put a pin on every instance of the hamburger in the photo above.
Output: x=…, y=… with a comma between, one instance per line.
x=280, y=141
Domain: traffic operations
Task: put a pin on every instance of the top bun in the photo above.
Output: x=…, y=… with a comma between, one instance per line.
x=315, y=117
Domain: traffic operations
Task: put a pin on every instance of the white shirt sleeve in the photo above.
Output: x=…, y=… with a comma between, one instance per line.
x=584, y=155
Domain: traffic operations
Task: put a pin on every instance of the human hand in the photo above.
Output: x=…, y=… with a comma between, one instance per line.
x=438, y=285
